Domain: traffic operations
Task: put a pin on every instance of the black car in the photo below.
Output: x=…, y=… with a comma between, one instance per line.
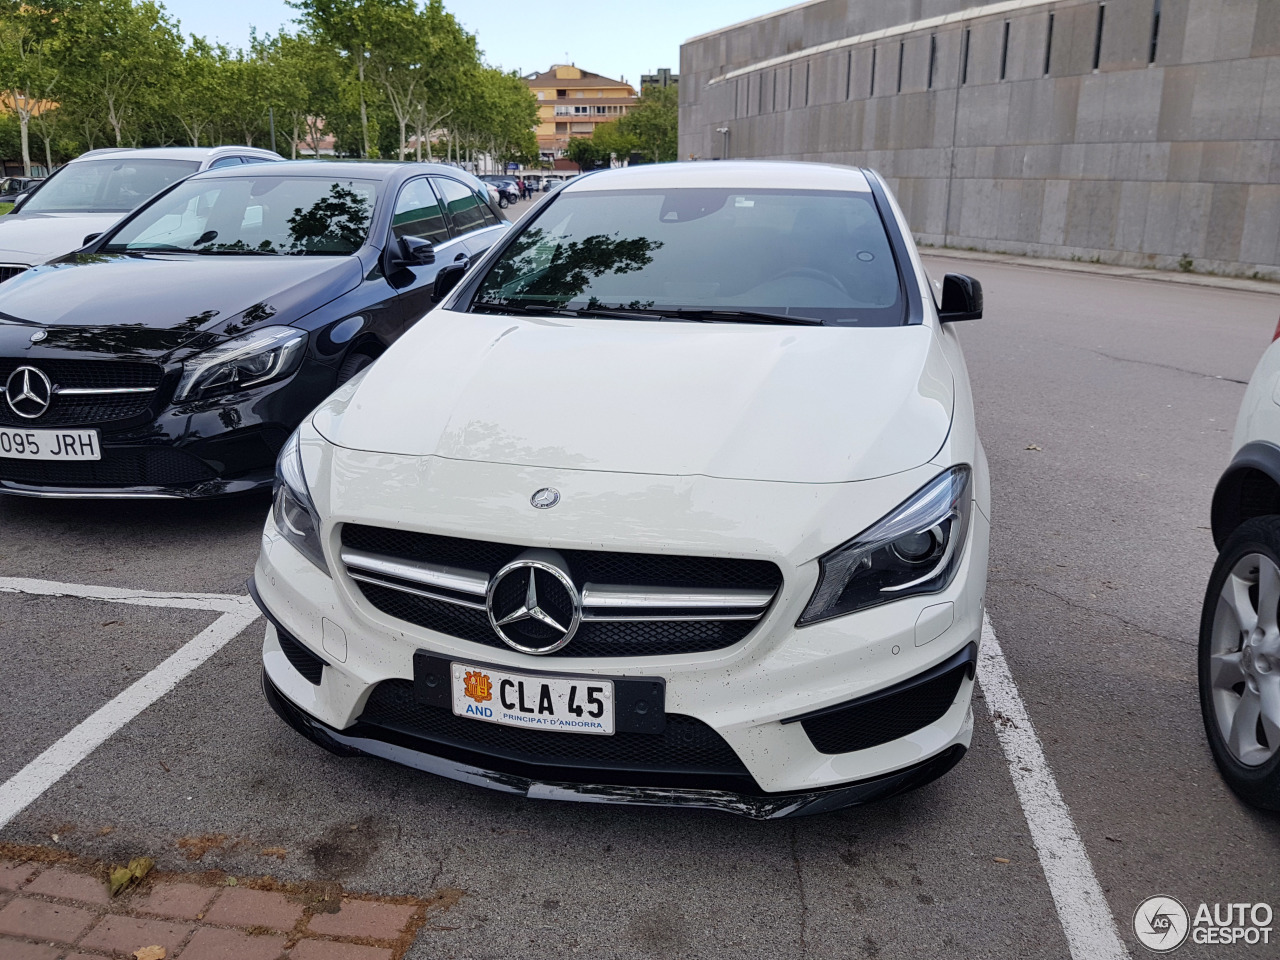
x=173, y=355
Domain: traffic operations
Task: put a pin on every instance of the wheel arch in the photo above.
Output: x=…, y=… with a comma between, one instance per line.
x=1249, y=488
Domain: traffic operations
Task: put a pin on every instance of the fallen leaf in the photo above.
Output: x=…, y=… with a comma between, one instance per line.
x=150, y=953
x=121, y=878
x=162, y=766
x=1033, y=446
x=231, y=881
x=103, y=831
x=1115, y=839
x=1001, y=859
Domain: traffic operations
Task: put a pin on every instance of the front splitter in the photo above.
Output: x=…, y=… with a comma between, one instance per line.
x=757, y=807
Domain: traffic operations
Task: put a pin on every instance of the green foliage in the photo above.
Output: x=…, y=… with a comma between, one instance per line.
x=654, y=123
x=383, y=77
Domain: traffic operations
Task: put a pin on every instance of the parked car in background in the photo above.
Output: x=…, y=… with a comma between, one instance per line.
x=173, y=355
x=86, y=196
x=506, y=187
x=1239, y=654
x=679, y=499
x=12, y=188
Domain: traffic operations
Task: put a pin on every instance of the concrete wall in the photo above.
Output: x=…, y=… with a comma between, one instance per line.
x=1138, y=163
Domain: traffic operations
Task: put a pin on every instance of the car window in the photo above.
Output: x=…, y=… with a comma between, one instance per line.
x=418, y=213
x=462, y=206
x=818, y=254
x=115, y=185
x=255, y=159
x=225, y=162
x=254, y=215
x=491, y=219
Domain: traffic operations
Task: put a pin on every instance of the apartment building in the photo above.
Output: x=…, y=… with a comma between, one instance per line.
x=571, y=102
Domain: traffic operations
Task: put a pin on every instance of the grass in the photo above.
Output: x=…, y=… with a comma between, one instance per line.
x=5, y=208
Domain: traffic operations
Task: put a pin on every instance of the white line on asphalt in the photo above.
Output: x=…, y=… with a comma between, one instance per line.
x=1082, y=907
x=218, y=602
x=26, y=786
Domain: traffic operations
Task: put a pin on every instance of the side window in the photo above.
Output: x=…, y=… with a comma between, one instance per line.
x=225, y=162
x=462, y=205
x=490, y=218
x=254, y=160
x=418, y=214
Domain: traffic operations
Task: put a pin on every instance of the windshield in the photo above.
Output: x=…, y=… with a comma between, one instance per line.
x=804, y=254
x=263, y=216
x=114, y=185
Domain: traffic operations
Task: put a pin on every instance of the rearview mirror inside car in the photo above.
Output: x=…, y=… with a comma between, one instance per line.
x=961, y=298
x=447, y=279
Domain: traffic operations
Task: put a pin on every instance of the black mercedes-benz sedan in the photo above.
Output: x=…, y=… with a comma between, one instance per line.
x=173, y=355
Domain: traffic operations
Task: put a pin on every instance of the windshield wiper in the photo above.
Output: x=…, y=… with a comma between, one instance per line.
x=729, y=315
x=546, y=310
x=236, y=253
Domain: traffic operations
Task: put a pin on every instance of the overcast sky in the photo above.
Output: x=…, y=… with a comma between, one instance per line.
x=611, y=37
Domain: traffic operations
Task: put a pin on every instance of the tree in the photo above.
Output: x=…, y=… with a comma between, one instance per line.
x=117, y=56
x=654, y=123
x=27, y=76
x=198, y=94
x=586, y=153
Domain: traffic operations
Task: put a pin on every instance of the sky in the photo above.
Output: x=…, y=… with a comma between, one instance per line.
x=610, y=37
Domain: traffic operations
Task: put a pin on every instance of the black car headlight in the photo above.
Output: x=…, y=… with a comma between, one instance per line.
x=915, y=549
x=271, y=353
x=294, y=513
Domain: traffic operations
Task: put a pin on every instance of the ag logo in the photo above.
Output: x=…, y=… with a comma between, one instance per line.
x=1161, y=924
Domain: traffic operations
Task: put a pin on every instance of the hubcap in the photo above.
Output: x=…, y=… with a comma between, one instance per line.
x=1244, y=649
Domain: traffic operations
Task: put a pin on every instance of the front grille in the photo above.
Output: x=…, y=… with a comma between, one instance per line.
x=687, y=745
x=79, y=410
x=881, y=718
x=119, y=467
x=594, y=638
x=9, y=271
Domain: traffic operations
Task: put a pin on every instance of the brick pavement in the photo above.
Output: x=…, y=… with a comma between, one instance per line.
x=63, y=912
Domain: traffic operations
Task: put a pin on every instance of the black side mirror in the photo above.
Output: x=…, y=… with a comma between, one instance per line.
x=448, y=278
x=413, y=252
x=89, y=238
x=961, y=298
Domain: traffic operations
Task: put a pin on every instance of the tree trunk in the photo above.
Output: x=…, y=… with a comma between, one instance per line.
x=404, y=127
x=294, y=154
x=24, y=121
x=364, y=111
x=48, y=156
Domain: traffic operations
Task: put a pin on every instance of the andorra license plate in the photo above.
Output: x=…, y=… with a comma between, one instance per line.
x=50, y=444
x=566, y=704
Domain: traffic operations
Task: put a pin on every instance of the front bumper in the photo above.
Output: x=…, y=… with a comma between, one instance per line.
x=749, y=694
x=196, y=450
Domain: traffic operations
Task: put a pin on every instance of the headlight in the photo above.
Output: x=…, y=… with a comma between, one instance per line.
x=259, y=357
x=915, y=549
x=295, y=515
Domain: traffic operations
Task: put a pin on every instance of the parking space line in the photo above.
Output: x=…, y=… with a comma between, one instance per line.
x=237, y=613
x=219, y=602
x=1082, y=907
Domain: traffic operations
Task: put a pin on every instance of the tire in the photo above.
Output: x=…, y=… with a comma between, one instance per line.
x=352, y=364
x=1239, y=662
x=502, y=203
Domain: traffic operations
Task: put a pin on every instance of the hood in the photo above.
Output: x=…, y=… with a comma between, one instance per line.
x=32, y=238
x=735, y=401
x=154, y=303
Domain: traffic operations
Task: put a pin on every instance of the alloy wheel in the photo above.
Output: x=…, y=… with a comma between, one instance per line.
x=1244, y=660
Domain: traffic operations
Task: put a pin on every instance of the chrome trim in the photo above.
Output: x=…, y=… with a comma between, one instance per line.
x=672, y=598
x=427, y=574
x=443, y=598
x=669, y=618
x=97, y=392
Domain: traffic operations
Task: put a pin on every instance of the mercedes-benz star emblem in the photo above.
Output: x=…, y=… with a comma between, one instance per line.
x=533, y=606
x=546, y=498
x=29, y=392
x=39, y=335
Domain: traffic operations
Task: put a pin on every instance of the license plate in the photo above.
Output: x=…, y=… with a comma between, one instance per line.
x=49, y=444
x=564, y=704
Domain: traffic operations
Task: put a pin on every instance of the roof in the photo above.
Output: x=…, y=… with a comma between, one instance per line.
x=548, y=78
x=730, y=174
x=175, y=153
x=379, y=170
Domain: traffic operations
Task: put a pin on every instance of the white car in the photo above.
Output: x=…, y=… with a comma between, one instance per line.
x=1239, y=656
x=675, y=499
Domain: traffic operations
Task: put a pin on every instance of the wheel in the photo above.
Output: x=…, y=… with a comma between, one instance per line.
x=351, y=365
x=1240, y=662
x=502, y=202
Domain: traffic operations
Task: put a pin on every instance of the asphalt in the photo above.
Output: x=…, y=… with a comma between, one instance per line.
x=1106, y=406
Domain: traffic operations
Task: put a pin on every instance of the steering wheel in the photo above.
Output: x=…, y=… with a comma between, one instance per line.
x=813, y=273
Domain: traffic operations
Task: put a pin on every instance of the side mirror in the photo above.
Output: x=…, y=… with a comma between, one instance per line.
x=961, y=298
x=413, y=252
x=19, y=200
x=89, y=238
x=448, y=278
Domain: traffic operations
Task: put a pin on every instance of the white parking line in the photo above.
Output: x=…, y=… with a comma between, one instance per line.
x=26, y=786
x=1082, y=907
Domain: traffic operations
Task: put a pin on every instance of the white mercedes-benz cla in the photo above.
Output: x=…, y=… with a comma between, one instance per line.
x=675, y=498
